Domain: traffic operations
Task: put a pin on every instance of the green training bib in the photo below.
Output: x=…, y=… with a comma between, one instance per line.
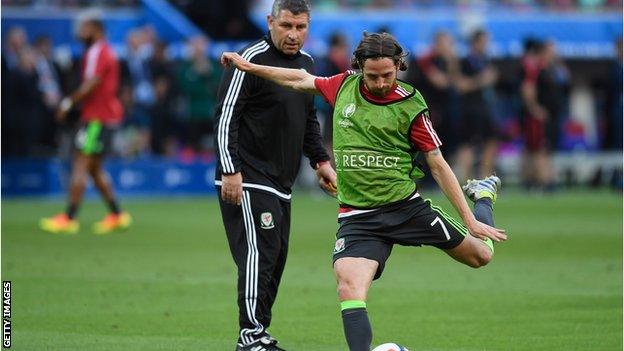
x=372, y=148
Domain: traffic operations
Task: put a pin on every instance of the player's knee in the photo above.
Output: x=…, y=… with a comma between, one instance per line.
x=482, y=258
x=78, y=178
x=349, y=290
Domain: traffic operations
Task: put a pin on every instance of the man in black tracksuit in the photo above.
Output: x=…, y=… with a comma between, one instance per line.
x=261, y=132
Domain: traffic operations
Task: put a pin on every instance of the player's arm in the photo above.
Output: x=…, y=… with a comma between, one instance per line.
x=466, y=83
x=437, y=78
x=444, y=176
x=85, y=88
x=296, y=79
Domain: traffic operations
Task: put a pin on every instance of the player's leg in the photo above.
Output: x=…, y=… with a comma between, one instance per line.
x=354, y=276
x=488, y=158
x=473, y=251
x=483, y=192
x=469, y=135
x=66, y=222
x=544, y=169
x=116, y=219
x=103, y=184
x=465, y=161
x=97, y=144
x=534, y=142
x=432, y=226
x=488, y=135
x=359, y=258
x=78, y=183
x=85, y=141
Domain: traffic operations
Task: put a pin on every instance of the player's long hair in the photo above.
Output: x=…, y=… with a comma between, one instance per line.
x=378, y=45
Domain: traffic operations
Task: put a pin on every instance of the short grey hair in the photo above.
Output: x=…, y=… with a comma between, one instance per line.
x=294, y=6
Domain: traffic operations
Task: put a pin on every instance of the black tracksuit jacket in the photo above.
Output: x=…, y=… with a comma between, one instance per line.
x=262, y=129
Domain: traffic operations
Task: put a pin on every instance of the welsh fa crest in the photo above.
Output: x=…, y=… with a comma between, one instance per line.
x=348, y=110
x=266, y=220
x=340, y=245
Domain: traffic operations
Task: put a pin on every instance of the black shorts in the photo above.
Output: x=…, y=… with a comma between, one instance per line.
x=476, y=125
x=413, y=223
x=539, y=134
x=94, y=138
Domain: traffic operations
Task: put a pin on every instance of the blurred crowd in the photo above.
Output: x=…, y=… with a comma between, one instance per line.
x=72, y=3
x=168, y=103
x=478, y=109
x=482, y=108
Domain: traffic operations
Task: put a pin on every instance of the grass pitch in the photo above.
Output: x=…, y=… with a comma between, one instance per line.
x=169, y=282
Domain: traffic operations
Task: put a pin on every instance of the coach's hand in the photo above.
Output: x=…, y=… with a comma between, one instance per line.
x=232, y=58
x=482, y=231
x=232, y=188
x=327, y=178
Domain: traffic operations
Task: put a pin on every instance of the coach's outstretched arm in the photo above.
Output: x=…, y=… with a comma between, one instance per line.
x=296, y=79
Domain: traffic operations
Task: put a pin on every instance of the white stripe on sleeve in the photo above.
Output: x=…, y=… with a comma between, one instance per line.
x=432, y=133
x=228, y=107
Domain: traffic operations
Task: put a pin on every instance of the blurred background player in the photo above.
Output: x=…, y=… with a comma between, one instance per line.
x=435, y=75
x=477, y=127
x=138, y=92
x=198, y=79
x=101, y=114
x=542, y=93
x=262, y=132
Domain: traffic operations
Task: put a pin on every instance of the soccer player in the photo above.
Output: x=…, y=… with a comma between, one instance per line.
x=380, y=125
x=436, y=74
x=100, y=116
x=477, y=126
x=543, y=98
x=262, y=130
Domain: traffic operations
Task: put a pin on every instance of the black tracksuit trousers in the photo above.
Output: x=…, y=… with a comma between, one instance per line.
x=257, y=232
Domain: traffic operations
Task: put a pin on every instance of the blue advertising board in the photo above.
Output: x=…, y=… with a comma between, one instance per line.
x=137, y=177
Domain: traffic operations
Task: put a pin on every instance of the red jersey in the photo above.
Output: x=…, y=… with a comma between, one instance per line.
x=531, y=68
x=102, y=104
x=423, y=136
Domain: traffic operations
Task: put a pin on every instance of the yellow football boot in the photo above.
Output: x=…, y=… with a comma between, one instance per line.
x=113, y=222
x=59, y=224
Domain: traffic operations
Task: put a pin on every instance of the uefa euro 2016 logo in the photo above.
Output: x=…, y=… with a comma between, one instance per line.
x=348, y=110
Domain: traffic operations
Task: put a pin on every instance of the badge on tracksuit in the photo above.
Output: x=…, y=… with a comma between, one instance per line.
x=266, y=220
